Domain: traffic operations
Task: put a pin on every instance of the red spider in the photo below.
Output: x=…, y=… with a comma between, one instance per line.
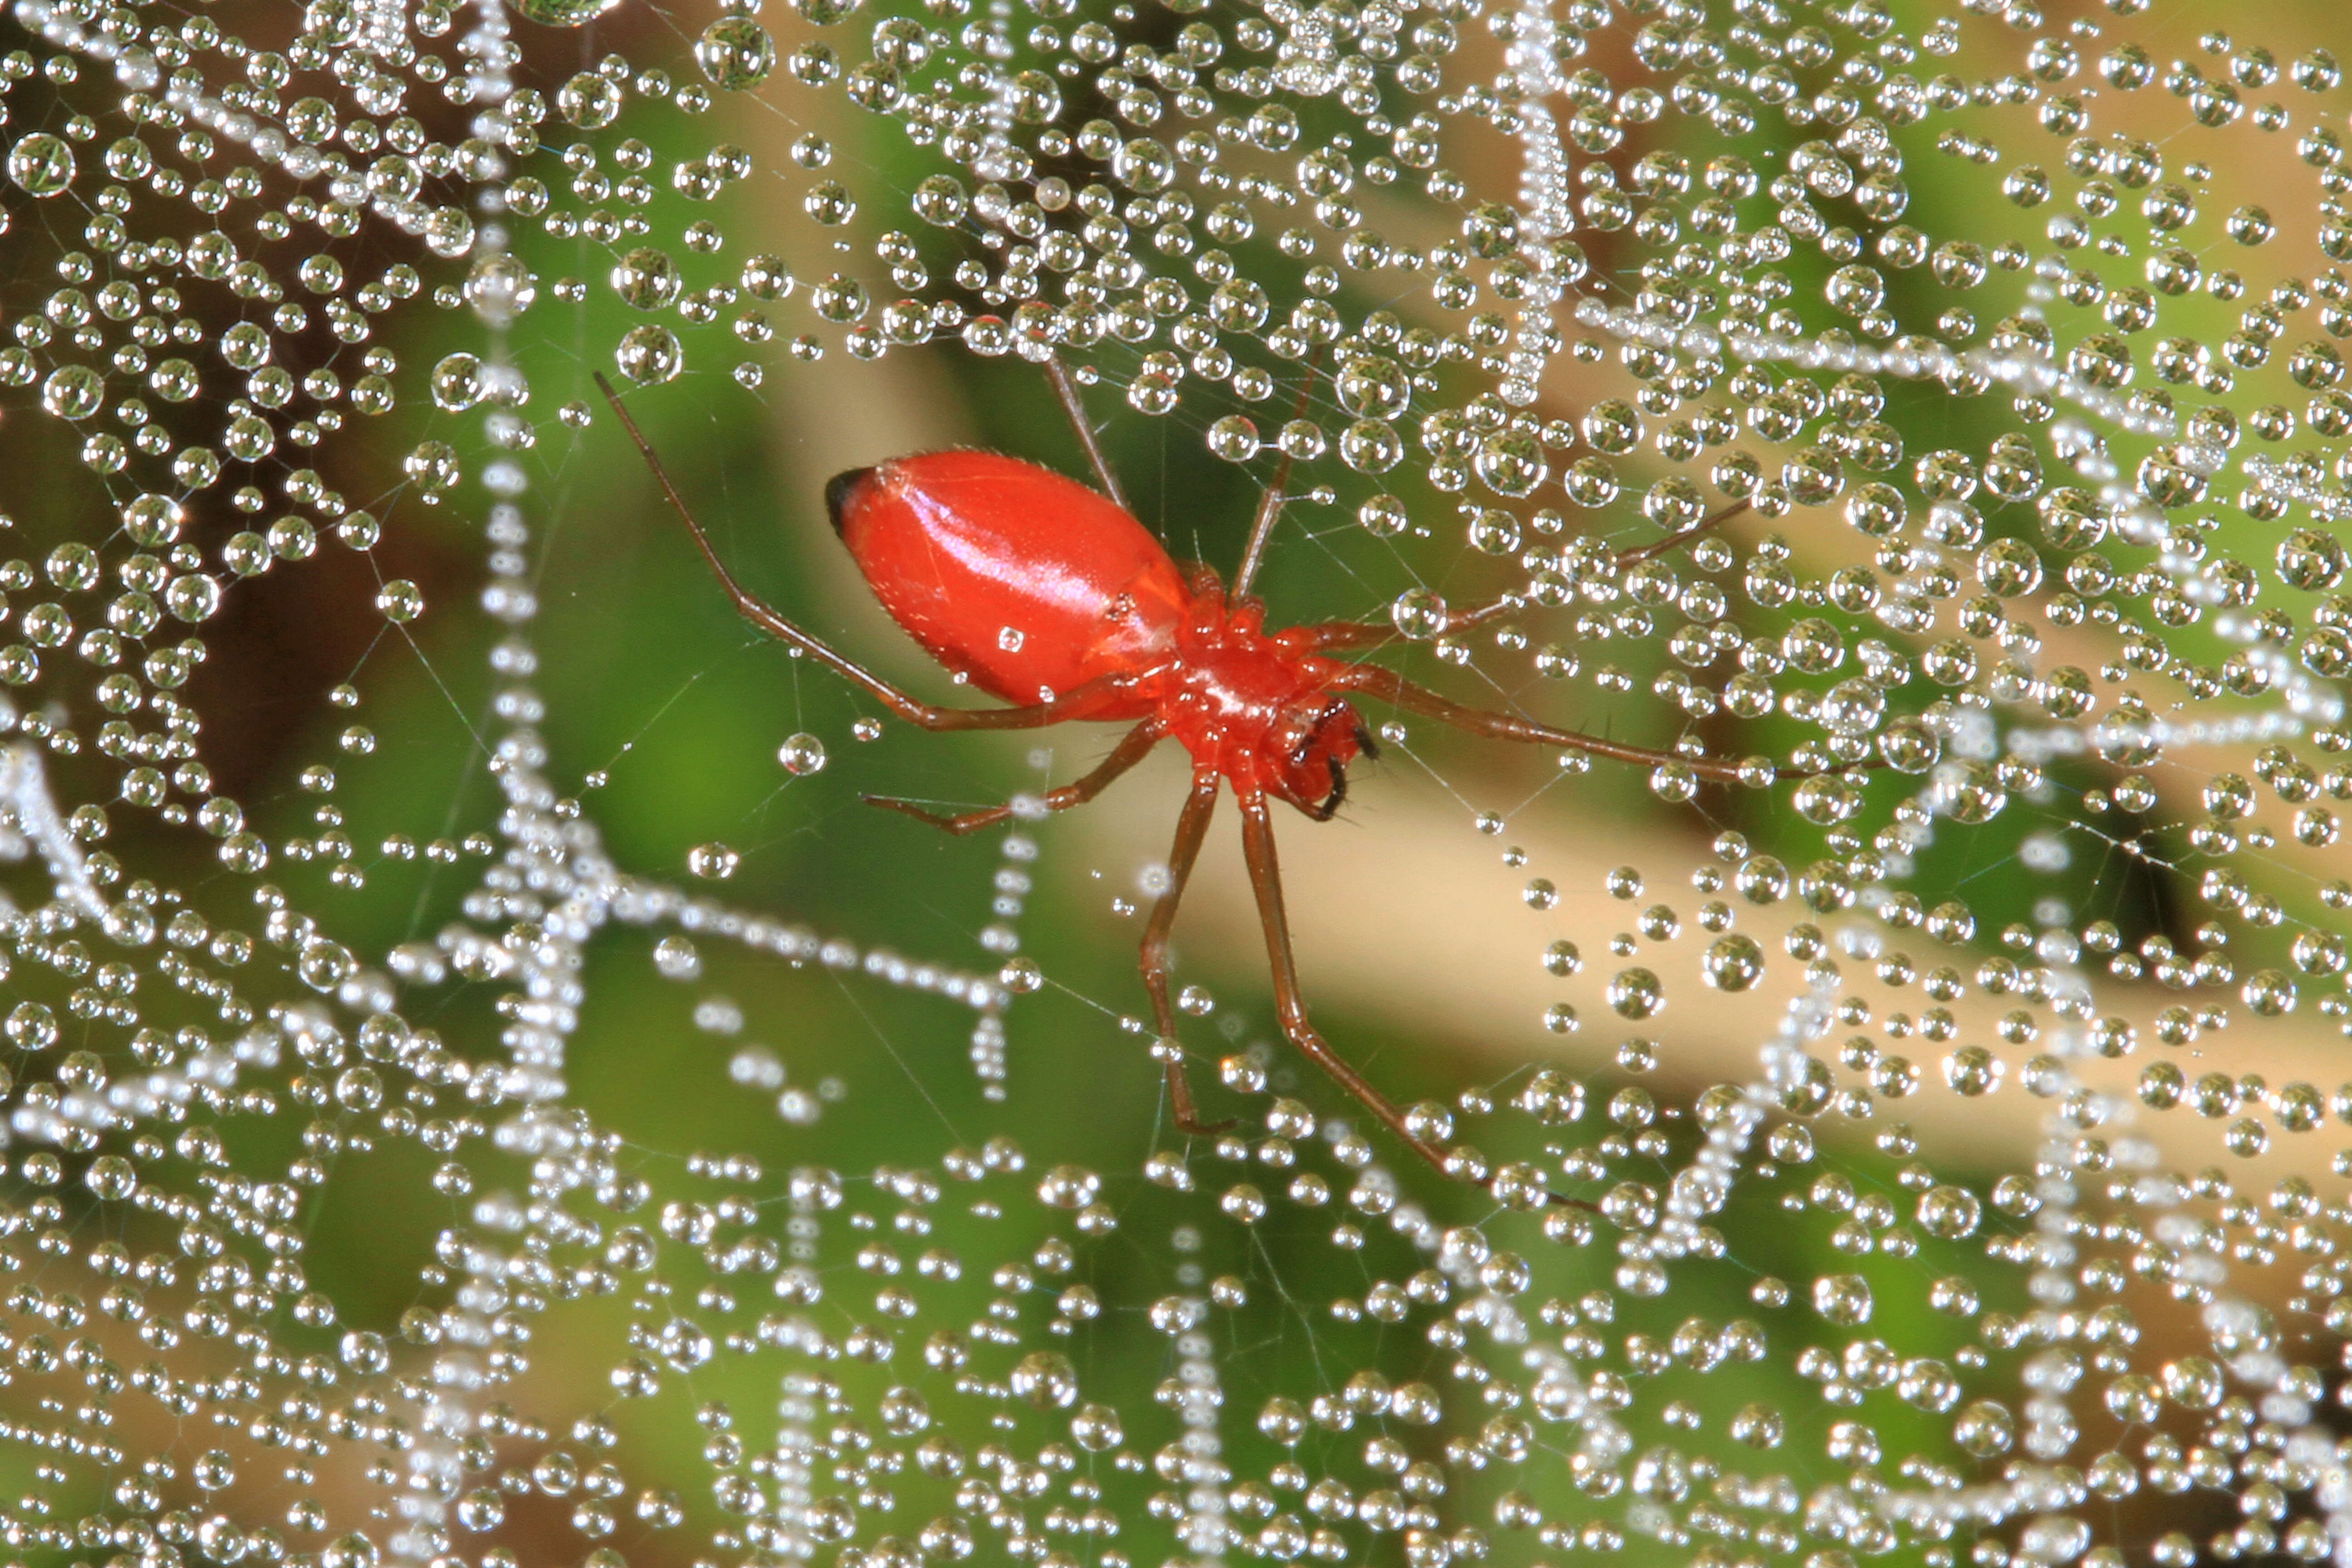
x=1053, y=597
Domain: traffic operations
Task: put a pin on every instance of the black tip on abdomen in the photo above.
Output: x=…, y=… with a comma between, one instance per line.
x=839, y=491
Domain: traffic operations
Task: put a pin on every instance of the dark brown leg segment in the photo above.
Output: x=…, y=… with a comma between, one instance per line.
x=1132, y=749
x=1290, y=1005
x=1336, y=636
x=1191, y=829
x=1269, y=506
x=1389, y=684
x=1266, y=878
x=1065, y=391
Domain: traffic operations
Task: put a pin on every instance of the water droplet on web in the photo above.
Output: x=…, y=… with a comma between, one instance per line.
x=1234, y=439
x=589, y=101
x=648, y=277
x=458, y=383
x=1418, y=614
x=400, y=601
x=1636, y=993
x=802, y=754
x=73, y=391
x=649, y=355
x=714, y=862
x=41, y=164
x=1845, y=1300
x=563, y=12
x=1733, y=963
x=675, y=958
x=112, y=1177
x=1046, y=1379
x=1096, y=1428
x=735, y=53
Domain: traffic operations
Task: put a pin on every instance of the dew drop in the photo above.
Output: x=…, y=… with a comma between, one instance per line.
x=1234, y=439
x=400, y=600
x=589, y=101
x=735, y=53
x=802, y=754
x=675, y=958
x=1096, y=1428
x=713, y=862
x=564, y=12
x=457, y=382
x=1636, y=993
x=648, y=277
x=1733, y=963
x=1046, y=1379
x=1418, y=614
x=41, y=164
x=73, y=391
x=112, y=1177
x=32, y=1027
x=647, y=354
x=1842, y=1298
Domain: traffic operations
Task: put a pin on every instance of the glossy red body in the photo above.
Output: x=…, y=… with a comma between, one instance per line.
x=1030, y=584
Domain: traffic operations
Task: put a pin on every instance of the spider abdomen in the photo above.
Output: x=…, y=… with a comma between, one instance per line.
x=1026, y=583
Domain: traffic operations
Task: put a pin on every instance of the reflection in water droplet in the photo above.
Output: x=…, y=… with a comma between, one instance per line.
x=589, y=101
x=400, y=600
x=647, y=278
x=802, y=754
x=1419, y=614
x=647, y=354
x=563, y=12
x=73, y=391
x=41, y=164
x=458, y=383
x=1842, y=1298
x=1733, y=962
x=735, y=53
x=714, y=862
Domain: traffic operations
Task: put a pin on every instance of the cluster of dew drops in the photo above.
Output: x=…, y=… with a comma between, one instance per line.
x=2039, y=430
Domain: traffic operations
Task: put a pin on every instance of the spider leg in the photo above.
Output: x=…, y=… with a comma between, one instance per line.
x=1348, y=636
x=1658, y=547
x=1269, y=506
x=1360, y=636
x=1191, y=829
x=1065, y=391
x=1266, y=878
x=1079, y=702
x=1387, y=685
x=1335, y=637
x=1132, y=749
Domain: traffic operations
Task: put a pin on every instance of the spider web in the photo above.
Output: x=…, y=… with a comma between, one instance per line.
x=483, y=1090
